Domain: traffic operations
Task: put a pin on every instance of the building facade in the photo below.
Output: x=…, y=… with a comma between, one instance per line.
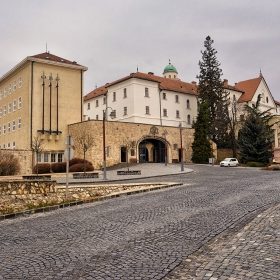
x=39, y=97
x=145, y=98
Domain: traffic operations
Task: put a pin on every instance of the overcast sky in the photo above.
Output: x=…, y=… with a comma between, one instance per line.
x=113, y=37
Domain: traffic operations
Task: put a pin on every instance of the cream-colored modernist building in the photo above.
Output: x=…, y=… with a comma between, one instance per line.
x=39, y=97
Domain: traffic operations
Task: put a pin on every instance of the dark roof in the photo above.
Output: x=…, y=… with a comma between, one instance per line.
x=52, y=57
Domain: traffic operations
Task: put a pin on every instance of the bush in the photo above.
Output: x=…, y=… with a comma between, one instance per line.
x=58, y=167
x=74, y=161
x=9, y=164
x=42, y=168
x=79, y=167
x=255, y=164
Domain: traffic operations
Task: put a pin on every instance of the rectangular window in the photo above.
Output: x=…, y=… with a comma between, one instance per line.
x=96, y=117
x=46, y=157
x=4, y=129
x=5, y=91
x=14, y=145
x=177, y=114
x=15, y=85
x=9, y=108
x=53, y=157
x=147, y=110
x=88, y=106
x=165, y=112
x=0, y=112
x=146, y=92
x=114, y=96
x=104, y=100
x=14, y=105
x=0, y=94
x=177, y=98
x=5, y=110
x=14, y=125
x=10, y=88
x=9, y=127
x=132, y=152
x=19, y=123
x=124, y=93
x=96, y=103
x=164, y=95
x=19, y=102
x=125, y=110
x=9, y=146
x=39, y=157
x=19, y=82
x=59, y=157
x=4, y=146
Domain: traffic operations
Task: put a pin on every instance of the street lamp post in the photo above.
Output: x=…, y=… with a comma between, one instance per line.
x=112, y=115
x=165, y=151
x=181, y=151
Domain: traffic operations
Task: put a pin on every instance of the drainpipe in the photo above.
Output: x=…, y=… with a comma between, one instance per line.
x=82, y=95
x=31, y=110
x=159, y=91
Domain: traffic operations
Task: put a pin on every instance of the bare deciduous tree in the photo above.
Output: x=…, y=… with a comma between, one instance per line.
x=128, y=145
x=37, y=146
x=83, y=140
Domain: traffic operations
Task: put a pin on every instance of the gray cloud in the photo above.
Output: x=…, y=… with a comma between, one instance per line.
x=112, y=37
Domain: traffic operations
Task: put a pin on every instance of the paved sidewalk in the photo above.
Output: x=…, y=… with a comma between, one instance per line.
x=253, y=252
x=147, y=170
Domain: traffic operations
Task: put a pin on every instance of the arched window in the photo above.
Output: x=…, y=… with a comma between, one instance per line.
x=189, y=119
x=188, y=104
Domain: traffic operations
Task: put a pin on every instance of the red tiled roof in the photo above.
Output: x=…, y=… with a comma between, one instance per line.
x=164, y=84
x=277, y=102
x=249, y=87
x=51, y=57
x=96, y=92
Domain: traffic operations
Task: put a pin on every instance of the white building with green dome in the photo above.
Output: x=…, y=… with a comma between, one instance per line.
x=170, y=71
x=146, y=98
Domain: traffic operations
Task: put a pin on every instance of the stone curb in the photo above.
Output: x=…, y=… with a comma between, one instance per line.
x=79, y=202
x=124, y=179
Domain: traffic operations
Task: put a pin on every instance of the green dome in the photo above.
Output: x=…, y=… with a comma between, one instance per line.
x=170, y=68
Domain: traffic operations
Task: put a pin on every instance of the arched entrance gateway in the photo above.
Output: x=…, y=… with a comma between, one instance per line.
x=152, y=150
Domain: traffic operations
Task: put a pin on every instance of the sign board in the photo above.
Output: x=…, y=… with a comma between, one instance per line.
x=71, y=152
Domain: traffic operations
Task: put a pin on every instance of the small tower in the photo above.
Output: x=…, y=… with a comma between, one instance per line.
x=170, y=71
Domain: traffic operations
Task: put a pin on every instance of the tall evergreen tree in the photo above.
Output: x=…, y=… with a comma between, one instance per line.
x=210, y=89
x=201, y=149
x=255, y=134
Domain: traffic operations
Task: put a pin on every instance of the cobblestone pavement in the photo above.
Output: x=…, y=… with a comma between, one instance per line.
x=195, y=231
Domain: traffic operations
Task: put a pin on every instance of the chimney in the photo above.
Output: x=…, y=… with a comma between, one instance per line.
x=150, y=73
x=193, y=82
x=226, y=82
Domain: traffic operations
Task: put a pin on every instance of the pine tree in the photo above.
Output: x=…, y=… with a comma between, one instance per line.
x=255, y=134
x=201, y=149
x=210, y=89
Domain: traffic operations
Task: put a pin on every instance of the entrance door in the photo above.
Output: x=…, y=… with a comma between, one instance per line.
x=151, y=150
x=123, y=154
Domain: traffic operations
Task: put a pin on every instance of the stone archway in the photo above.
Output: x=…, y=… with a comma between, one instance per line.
x=151, y=150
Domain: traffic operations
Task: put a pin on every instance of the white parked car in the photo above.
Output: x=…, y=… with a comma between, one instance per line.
x=229, y=162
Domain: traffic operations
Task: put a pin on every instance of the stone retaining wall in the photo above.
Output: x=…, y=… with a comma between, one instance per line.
x=16, y=196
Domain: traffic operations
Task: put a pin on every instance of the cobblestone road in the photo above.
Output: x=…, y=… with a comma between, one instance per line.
x=143, y=236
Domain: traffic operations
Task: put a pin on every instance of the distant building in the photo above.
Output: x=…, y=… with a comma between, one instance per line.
x=40, y=96
x=146, y=98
